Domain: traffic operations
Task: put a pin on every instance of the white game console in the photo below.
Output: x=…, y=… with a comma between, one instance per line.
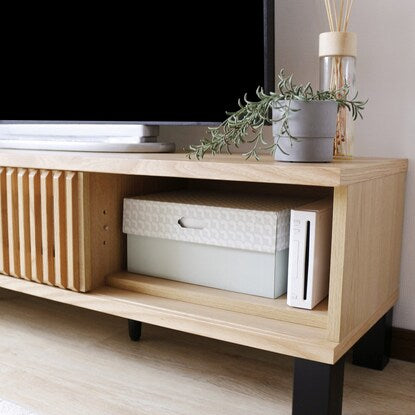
x=309, y=254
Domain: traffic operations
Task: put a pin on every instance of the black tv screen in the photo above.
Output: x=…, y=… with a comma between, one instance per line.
x=162, y=62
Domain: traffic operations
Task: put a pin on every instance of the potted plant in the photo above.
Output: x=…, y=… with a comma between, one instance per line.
x=303, y=123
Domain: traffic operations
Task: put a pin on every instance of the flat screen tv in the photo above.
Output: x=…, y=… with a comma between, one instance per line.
x=146, y=62
x=173, y=62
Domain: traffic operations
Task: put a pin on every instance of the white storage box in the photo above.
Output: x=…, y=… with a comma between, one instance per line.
x=231, y=242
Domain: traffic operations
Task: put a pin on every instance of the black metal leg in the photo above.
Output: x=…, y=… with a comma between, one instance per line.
x=373, y=349
x=318, y=388
x=134, y=330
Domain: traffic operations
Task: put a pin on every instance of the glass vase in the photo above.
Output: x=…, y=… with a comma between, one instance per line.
x=337, y=69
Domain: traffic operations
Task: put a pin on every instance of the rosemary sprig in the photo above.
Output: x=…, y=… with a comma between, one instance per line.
x=246, y=125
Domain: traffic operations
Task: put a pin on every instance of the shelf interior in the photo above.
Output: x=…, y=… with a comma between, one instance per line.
x=276, y=309
x=254, y=331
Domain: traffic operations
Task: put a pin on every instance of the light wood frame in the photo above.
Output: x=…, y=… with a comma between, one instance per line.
x=368, y=198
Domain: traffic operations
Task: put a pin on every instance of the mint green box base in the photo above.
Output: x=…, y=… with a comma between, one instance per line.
x=248, y=272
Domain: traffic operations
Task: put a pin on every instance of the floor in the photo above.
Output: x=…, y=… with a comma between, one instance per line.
x=56, y=359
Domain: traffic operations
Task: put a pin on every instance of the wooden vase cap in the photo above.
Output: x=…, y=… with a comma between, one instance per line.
x=338, y=44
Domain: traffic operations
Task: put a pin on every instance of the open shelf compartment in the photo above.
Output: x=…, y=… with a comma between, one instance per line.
x=276, y=309
x=365, y=249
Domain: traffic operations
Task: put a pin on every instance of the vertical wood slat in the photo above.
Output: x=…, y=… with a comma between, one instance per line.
x=35, y=220
x=12, y=222
x=4, y=245
x=46, y=207
x=84, y=247
x=72, y=237
x=24, y=227
x=43, y=227
x=85, y=282
x=59, y=222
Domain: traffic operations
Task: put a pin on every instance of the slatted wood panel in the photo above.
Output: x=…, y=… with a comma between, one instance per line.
x=24, y=231
x=72, y=230
x=35, y=221
x=4, y=245
x=46, y=206
x=12, y=222
x=59, y=227
x=41, y=222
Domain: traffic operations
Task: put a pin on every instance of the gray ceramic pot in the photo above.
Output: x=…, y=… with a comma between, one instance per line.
x=314, y=126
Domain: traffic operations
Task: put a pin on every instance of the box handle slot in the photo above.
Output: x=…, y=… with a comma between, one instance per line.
x=191, y=223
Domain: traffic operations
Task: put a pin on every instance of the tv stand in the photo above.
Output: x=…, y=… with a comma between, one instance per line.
x=83, y=136
x=81, y=213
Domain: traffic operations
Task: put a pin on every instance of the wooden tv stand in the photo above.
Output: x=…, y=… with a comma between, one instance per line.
x=85, y=192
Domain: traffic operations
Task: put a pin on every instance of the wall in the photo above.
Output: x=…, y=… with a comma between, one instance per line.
x=386, y=65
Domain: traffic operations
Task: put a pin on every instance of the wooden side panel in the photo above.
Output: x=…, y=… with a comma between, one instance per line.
x=366, y=251
x=46, y=206
x=24, y=226
x=59, y=227
x=35, y=222
x=107, y=243
x=12, y=222
x=4, y=242
x=106, y=193
x=72, y=230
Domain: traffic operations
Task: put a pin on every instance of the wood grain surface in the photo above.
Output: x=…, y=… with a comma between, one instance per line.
x=4, y=239
x=24, y=225
x=258, y=332
x=58, y=359
x=35, y=220
x=12, y=222
x=223, y=167
x=365, y=259
x=242, y=303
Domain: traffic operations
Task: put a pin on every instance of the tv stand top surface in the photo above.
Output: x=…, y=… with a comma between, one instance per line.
x=222, y=167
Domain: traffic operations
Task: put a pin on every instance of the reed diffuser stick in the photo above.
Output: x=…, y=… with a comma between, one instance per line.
x=348, y=15
x=335, y=14
x=338, y=16
x=329, y=15
x=338, y=21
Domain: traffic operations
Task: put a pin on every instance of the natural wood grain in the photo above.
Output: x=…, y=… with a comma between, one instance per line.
x=367, y=225
x=267, y=334
x=340, y=172
x=59, y=227
x=46, y=206
x=366, y=246
x=72, y=229
x=12, y=222
x=78, y=362
x=211, y=297
x=4, y=242
x=24, y=223
x=41, y=213
x=35, y=221
x=108, y=243
x=84, y=234
x=359, y=330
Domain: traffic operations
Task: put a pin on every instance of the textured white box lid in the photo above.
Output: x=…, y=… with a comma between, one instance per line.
x=254, y=223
